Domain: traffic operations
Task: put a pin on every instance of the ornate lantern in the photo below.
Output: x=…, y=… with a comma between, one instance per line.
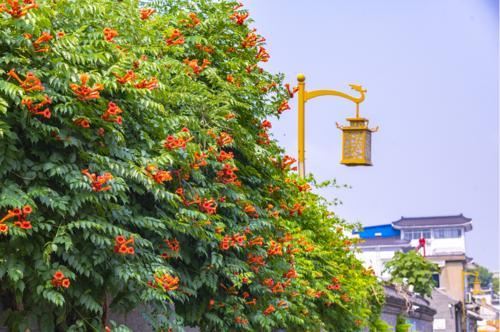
x=356, y=142
x=356, y=137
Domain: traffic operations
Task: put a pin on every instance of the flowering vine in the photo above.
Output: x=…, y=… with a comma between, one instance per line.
x=145, y=13
x=195, y=66
x=109, y=34
x=227, y=175
x=165, y=282
x=158, y=175
x=123, y=245
x=252, y=40
x=84, y=92
x=283, y=107
x=82, y=122
x=192, y=20
x=223, y=184
x=129, y=76
x=15, y=9
x=30, y=83
x=38, y=108
x=20, y=214
x=98, y=181
x=59, y=280
x=175, y=38
x=112, y=113
x=45, y=37
x=148, y=84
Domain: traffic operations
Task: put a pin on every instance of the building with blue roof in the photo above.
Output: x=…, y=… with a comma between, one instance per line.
x=444, y=245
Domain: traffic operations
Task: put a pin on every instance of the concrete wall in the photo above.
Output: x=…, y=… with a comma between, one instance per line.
x=136, y=322
x=442, y=246
x=448, y=317
x=416, y=310
x=450, y=279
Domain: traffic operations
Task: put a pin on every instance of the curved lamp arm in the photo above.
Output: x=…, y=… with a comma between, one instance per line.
x=307, y=95
x=358, y=88
x=357, y=100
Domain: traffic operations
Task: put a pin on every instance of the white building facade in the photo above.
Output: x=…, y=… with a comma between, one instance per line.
x=445, y=245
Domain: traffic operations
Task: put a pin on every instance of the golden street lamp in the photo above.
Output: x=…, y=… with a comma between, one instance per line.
x=356, y=137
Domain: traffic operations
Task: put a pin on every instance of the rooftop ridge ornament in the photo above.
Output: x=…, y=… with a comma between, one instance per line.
x=356, y=137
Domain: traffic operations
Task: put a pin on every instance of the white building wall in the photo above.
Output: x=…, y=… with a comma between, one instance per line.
x=439, y=246
x=376, y=258
x=442, y=246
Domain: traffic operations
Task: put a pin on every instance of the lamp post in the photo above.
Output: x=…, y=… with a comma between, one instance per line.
x=356, y=137
x=475, y=291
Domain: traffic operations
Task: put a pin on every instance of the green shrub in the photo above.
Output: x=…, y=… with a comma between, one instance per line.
x=412, y=269
x=402, y=325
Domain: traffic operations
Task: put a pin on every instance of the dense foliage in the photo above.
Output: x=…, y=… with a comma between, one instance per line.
x=136, y=170
x=380, y=325
x=412, y=269
x=402, y=325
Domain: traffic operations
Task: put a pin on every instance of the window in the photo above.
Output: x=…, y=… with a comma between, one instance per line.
x=435, y=278
x=447, y=233
x=415, y=234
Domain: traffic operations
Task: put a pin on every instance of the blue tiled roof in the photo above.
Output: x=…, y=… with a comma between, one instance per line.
x=378, y=231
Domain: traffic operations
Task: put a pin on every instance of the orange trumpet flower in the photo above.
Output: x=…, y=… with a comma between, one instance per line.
x=85, y=92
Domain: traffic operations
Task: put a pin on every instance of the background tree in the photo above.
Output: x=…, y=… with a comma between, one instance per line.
x=136, y=169
x=411, y=269
x=485, y=276
x=496, y=285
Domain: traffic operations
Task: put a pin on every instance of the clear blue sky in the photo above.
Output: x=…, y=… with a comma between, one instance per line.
x=431, y=70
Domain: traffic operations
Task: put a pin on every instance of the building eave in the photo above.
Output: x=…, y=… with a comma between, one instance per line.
x=474, y=315
x=369, y=246
x=467, y=225
x=448, y=257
